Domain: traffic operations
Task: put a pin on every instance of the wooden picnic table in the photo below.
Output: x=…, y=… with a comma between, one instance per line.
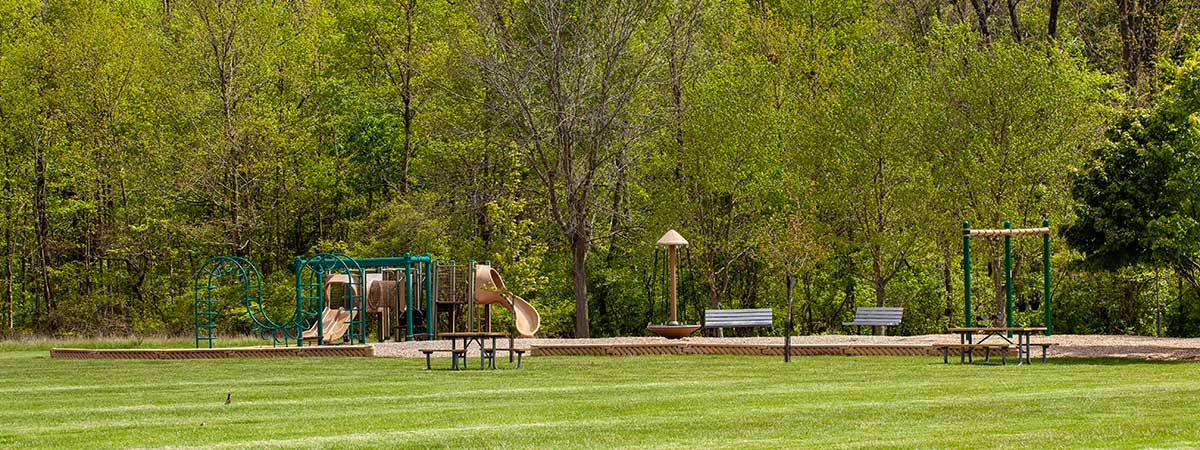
x=967, y=340
x=478, y=337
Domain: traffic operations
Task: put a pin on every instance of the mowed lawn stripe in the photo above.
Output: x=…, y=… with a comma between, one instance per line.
x=595, y=402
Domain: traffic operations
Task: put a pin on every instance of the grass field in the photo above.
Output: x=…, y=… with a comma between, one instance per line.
x=595, y=402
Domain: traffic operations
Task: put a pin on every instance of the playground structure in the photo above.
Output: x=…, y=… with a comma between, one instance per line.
x=1007, y=233
x=335, y=295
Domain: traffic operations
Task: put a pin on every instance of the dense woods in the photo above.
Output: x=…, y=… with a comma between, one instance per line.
x=838, y=143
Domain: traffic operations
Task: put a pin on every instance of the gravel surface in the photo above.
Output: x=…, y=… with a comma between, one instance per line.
x=1080, y=346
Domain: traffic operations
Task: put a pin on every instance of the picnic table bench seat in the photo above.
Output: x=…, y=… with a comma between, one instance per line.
x=491, y=354
x=455, y=355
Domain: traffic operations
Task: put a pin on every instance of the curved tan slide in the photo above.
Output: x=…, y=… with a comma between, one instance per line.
x=334, y=323
x=489, y=289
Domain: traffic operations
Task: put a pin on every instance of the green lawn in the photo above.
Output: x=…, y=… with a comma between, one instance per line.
x=622, y=402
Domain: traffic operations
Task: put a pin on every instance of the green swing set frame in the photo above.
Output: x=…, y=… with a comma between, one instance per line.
x=1007, y=232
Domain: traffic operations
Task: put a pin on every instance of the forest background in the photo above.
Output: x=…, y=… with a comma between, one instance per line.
x=842, y=142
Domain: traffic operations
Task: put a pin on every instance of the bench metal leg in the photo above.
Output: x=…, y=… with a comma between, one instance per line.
x=454, y=361
x=427, y=365
x=519, y=360
x=1004, y=357
x=987, y=354
x=945, y=355
x=1043, y=354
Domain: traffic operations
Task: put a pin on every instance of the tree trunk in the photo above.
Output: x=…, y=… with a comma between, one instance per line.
x=948, y=284
x=407, y=96
x=983, y=9
x=8, y=247
x=1139, y=22
x=1012, y=17
x=998, y=284
x=808, y=310
x=879, y=283
x=579, y=251
x=1052, y=26
x=43, y=231
x=8, y=274
x=608, y=321
x=787, y=337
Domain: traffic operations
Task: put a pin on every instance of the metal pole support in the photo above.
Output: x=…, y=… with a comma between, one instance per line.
x=1008, y=283
x=967, y=274
x=1046, y=276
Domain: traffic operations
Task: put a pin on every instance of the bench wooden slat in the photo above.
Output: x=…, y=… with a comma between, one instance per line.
x=733, y=318
x=886, y=316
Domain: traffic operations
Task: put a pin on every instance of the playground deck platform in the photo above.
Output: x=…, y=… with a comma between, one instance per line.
x=213, y=353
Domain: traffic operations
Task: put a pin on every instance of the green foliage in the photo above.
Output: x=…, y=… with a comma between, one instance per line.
x=1136, y=202
x=843, y=142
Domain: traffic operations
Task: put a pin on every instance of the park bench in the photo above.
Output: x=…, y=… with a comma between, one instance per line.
x=737, y=318
x=876, y=316
x=455, y=355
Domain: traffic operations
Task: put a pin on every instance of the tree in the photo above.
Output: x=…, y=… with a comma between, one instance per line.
x=1136, y=203
x=876, y=163
x=568, y=74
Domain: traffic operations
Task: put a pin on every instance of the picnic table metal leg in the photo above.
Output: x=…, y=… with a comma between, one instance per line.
x=1020, y=350
x=971, y=348
x=963, y=348
x=483, y=355
x=1028, y=349
x=427, y=366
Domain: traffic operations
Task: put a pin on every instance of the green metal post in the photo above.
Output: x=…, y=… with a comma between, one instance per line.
x=967, y=273
x=430, y=315
x=471, y=295
x=1008, y=283
x=1046, y=276
x=408, y=331
x=299, y=302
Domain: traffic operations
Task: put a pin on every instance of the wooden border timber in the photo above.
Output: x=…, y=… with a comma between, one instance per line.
x=995, y=232
x=214, y=353
x=733, y=349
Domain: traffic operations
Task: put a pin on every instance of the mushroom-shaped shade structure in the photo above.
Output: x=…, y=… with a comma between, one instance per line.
x=672, y=238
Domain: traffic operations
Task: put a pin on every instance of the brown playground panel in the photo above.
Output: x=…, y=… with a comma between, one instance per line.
x=214, y=353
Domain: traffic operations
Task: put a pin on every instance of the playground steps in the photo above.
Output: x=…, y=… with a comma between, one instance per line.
x=675, y=348
x=214, y=353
